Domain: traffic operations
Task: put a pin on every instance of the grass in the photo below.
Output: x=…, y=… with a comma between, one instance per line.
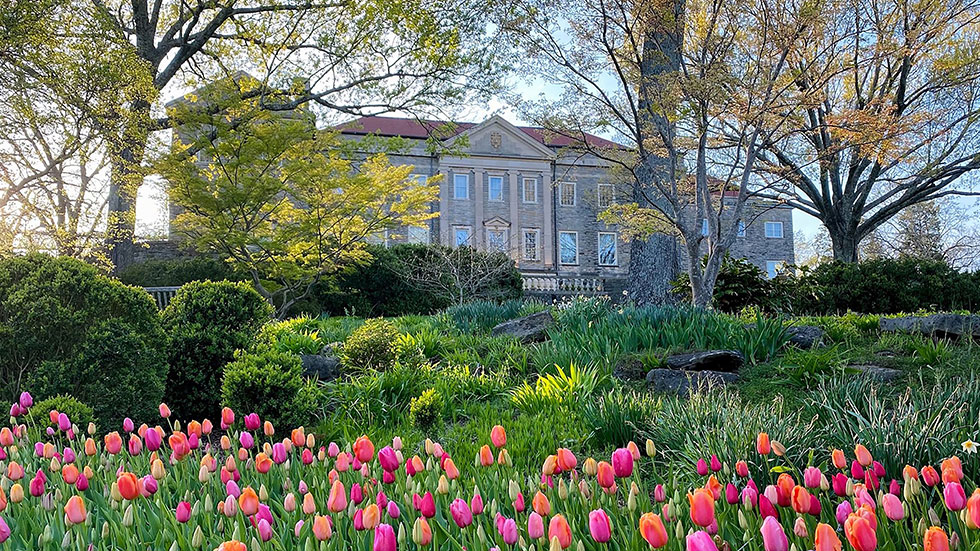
x=561, y=392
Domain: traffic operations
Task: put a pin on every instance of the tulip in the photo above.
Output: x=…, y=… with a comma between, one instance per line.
x=486, y=456
x=541, y=505
x=622, y=463
x=183, y=512
x=75, y=510
x=227, y=417
x=498, y=436
x=363, y=449
x=702, y=467
x=811, y=477
x=164, y=411
x=476, y=504
x=762, y=444
x=773, y=536
x=388, y=459
x=972, y=509
x=731, y=494
x=893, y=507
x=742, y=469
x=766, y=508
x=461, y=513
x=930, y=476
x=451, y=471
x=702, y=507
x=4, y=530
x=600, y=526
x=800, y=499
x=233, y=545
x=321, y=528
x=825, y=539
x=566, y=459
x=701, y=541
x=860, y=533
x=248, y=501
x=863, y=455
x=535, y=526
x=955, y=496
x=26, y=401
x=935, y=540
x=839, y=460
x=559, y=529
x=384, y=538
x=371, y=516
x=338, y=497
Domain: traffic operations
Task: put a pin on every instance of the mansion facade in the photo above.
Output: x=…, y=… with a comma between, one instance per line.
x=517, y=190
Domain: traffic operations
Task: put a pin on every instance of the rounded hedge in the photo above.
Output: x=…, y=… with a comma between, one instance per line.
x=67, y=329
x=269, y=383
x=78, y=413
x=371, y=346
x=207, y=322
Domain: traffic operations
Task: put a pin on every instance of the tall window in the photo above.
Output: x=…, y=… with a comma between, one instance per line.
x=607, y=249
x=568, y=247
x=532, y=238
x=461, y=236
x=496, y=188
x=774, y=230
x=461, y=186
x=741, y=228
x=704, y=227
x=497, y=240
x=773, y=267
x=530, y=190
x=567, y=194
x=606, y=195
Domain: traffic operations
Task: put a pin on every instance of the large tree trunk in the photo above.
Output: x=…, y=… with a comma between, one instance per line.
x=653, y=266
x=845, y=244
x=125, y=179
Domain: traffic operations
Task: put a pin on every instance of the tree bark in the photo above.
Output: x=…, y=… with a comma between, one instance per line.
x=845, y=245
x=125, y=178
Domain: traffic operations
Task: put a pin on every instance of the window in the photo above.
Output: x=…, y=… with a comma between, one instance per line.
x=497, y=240
x=704, y=227
x=607, y=249
x=568, y=247
x=530, y=190
x=461, y=236
x=461, y=186
x=606, y=195
x=531, y=240
x=774, y=267
x=420, y=179
x=774, y=230
x=741, y=228
x=566, y=197
x=496, y=188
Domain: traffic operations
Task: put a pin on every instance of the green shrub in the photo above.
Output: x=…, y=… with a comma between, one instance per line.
x=172, y=273
x=426, y=409
x=207, y=322
x=371, y=346
x=78, y=413
x=559, y=390
x=617, y=417
x=481, y=316
x=269, y=383
x=66, y=329
x=740, y=284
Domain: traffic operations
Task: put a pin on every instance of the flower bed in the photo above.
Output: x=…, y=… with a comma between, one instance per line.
x=183, y=487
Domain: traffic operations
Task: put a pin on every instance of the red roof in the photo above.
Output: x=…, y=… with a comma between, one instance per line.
x=421, y=129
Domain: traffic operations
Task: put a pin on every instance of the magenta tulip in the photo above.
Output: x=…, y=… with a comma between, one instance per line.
x=701, y=541
x=384, y=538
x=600, y=526
x=183, y=513
x=622, y=463
x=773, y=536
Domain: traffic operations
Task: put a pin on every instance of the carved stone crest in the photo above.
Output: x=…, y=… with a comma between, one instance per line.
x=495, y=140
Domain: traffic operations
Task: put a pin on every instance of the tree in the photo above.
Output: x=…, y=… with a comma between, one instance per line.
x=347, y=57
x=694, y=89
x=898, y=124
x=941, y=229
x=461, y=274
x=283, y=200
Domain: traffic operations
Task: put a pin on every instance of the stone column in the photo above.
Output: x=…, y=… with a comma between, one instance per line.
x=444, y=190
x=478, y=229
x=516, y=235
x=547, y=227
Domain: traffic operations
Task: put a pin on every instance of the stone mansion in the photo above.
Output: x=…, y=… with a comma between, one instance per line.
x=516, y=190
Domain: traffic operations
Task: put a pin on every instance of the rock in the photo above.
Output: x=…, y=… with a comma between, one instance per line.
x=682, y=382
x=323, y=367
x=629, y=369
x=533, y=328
x=878, y=373
x=943, y=326
x=728, y=361
x=805, y=336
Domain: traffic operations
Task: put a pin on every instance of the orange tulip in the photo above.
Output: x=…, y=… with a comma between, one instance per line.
x=371, y=517
x=338, y=497
x=451, y=471
x=129, y=486
x=90, y=447
x=541, y=505
x=113, y=442
x=909, y=473
x=713, y=486
x=566, y=459
x=233, y=545
x=702, y=507
x=559, y=528
x=839, y=460
x=605, y=475
x=15, y=471
x=935, y=540
x=75, y=510
x=227, y=416
x=248, y=501
x=263, y=463
x=194, y=428
x=498, y=436
x=863, y=455
x=363, y=449
x=321, y=528
x=860, y=533
x=309, y=507
x=762, y=444
x=550, y=465
x=3, y=500
x=825, y=539
x=69, y=474
x=653, y=531
x=486, y=456
x=801, y=499
x=973, y=509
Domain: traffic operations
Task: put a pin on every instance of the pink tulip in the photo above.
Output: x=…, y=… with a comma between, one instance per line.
x=622, y=463
x=508, y=531
x=600, y=526
x=278, y=453
x=811, y=477
x=384, y=538
x=37, y=486
x=750, y=496
x=659, y=493
x=773, y=536
x=68, y=455
x=715, y=463
x=63, y=422
x=183, y=513
x=955, y=496
x=26, y=401
x=4, y=530
x=149, y=485
x=461, y=513
x=246, y=440
x=702, y=467
x=356, y=493
x=894, y=487
x=15, y=410
x=731, y=494
x=81, y=483
x=252, y=422
x=701, y=541
x=333, y=450
x=766, y=508
x=893, y=507
x=476, y=504
x=265, y=529
x=128, y=425
x=844, y=510
x=393, y=510
x=535, y=525
x=815, y=506
x=153, y=440
x=298, y=527
x=519, y=503
x=388, y=459
x=839, y=483
x=857, y=471
x=427, y=505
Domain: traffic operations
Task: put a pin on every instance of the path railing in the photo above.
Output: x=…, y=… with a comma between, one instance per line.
x=162, y=295
x=563, y=285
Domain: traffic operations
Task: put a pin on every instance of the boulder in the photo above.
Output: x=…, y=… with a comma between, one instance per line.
x=629, y=368
x=533, y=328
x=943, y=326
x=682, y=382
x=805, y=336
x=727, y=361
x=323, y=367
x=876, y=372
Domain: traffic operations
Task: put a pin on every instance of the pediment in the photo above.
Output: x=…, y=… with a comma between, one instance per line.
x=497, y=137
x=496, y=222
